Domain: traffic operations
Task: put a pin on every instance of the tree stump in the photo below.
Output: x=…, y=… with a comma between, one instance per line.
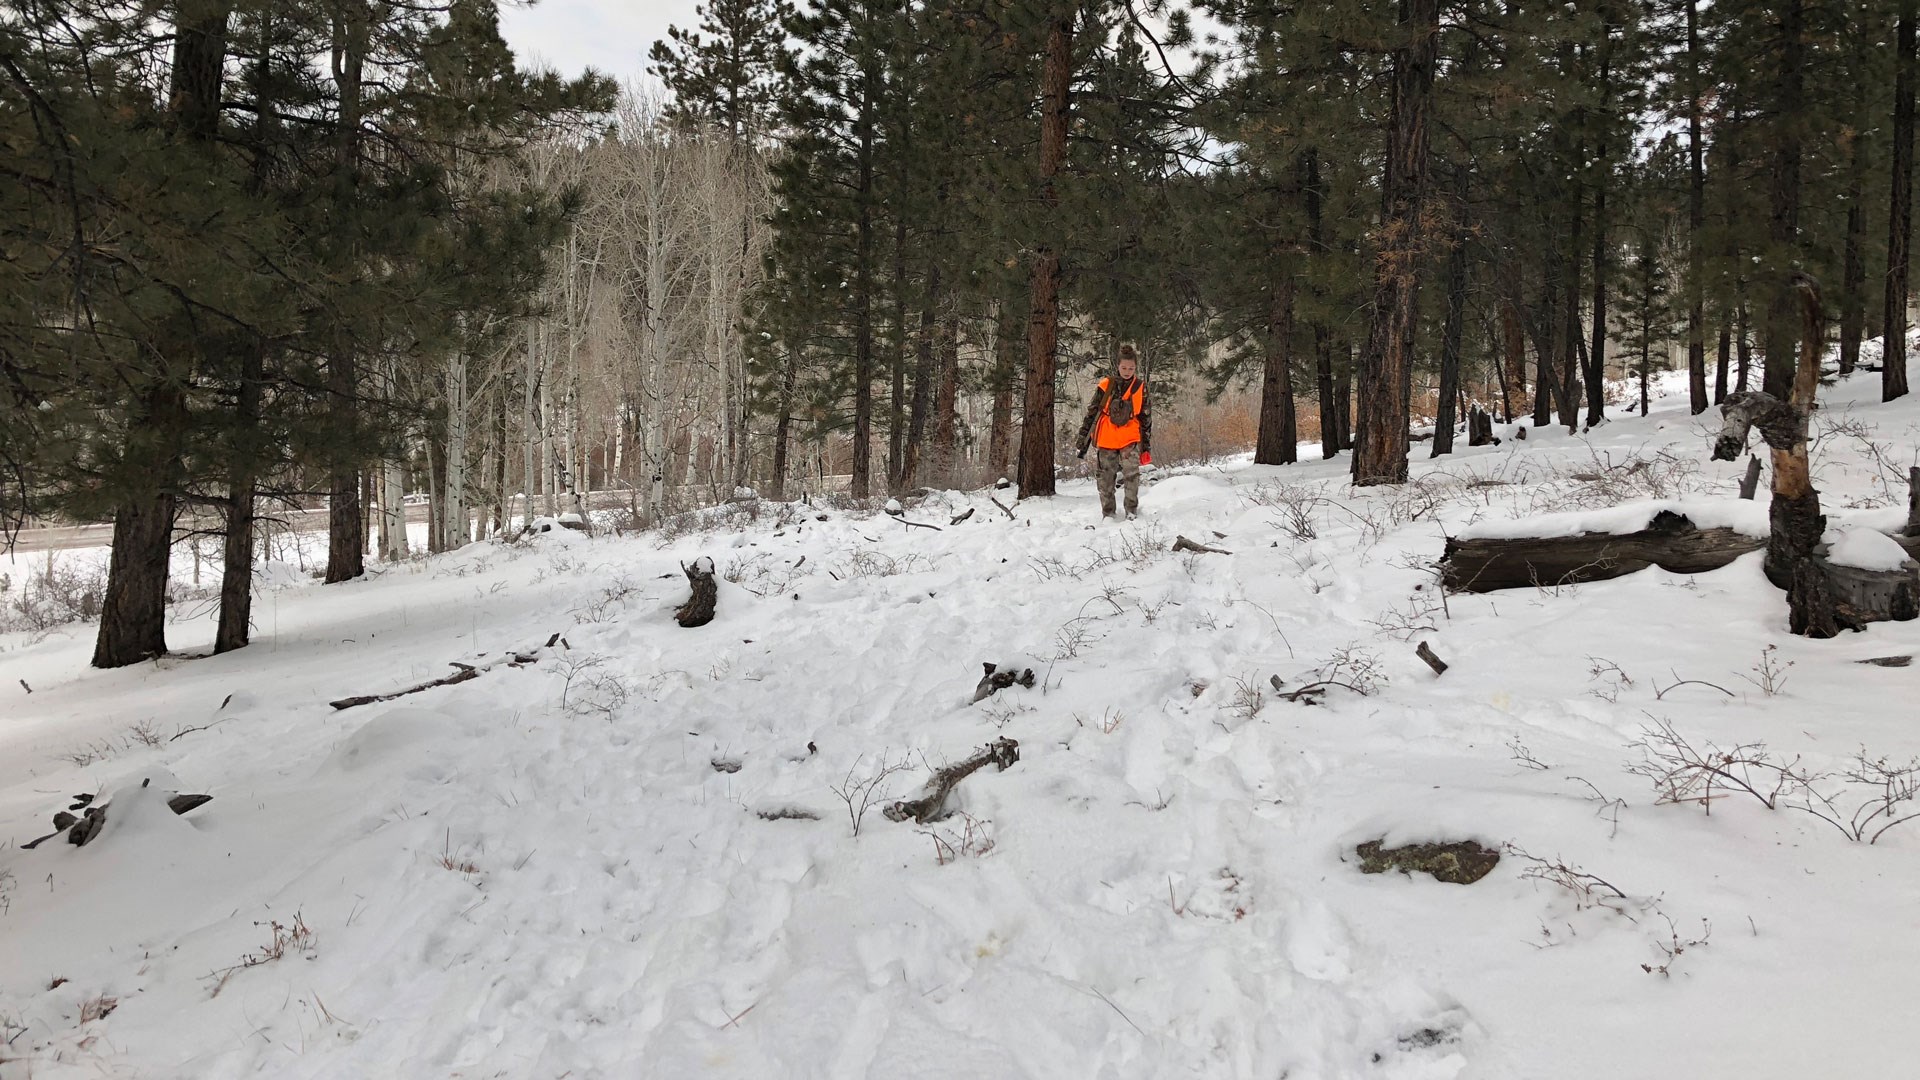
x=1480, y=427
x=698, y=610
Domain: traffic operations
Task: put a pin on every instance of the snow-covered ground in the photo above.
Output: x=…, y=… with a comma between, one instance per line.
x=629, y=858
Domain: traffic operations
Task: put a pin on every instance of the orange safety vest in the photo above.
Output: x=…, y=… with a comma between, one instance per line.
x=1108, y=435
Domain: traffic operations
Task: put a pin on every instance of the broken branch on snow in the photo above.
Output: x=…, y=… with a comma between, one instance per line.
x=931, y=805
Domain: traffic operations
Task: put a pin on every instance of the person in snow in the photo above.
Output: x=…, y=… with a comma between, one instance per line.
x=1119, y=428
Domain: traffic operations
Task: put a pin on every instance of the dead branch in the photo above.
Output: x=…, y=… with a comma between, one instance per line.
x=463, y=675
x=1425, y=652
x=466, y=672
x=1181, y=543
x=931, y=805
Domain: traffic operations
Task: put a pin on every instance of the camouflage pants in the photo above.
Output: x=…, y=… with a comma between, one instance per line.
x=1109, y=467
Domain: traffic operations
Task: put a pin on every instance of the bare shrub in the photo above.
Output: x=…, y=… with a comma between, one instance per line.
x=871, y=563
x=1294, y=503
x=1587, y=890
x=1770, y=674
x=862, y=791
x=1865, y=800
x=1611, y=679
x=610, y=601
x=287, y=938
x=1248, y=697
x=1108, y=723
x=98, y=1007
x=972, y=840
x=456, y=860
x=56, y=593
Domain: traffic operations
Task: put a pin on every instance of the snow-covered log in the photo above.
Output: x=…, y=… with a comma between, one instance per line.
x=1670, y=541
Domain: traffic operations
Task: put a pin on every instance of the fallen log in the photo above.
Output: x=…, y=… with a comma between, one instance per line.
x=1673, y=543
x=1670, y=541
x=931, y=805
x=698, y=610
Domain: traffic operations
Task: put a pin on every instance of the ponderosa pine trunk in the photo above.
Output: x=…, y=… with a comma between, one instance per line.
x=783, y=425
x=1453, y=328
x=862, y=479
x=1696, y=223
x=236, y=572
x=1322, y=336
x=1278, y=441
x=946, y=396
x=1853, y=279
x=133, y=611
x=346, y=532
x=1893, y=371
x=897, y=399
x=1783, y=223
x=1043, y=320
x=1596, y=372
x=133, y=608
x=1380, y=448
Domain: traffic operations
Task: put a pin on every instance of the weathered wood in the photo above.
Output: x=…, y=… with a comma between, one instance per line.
x=1181, y=543
x=1670, y=541
x=1750, y=484
x=1852, y=596
x=1426, y=653
x=1888, y=661
x=698, y=610
x=465, y=673
x=931, y=805
x=995, y=680
x=958, y=518
x=1480, y=427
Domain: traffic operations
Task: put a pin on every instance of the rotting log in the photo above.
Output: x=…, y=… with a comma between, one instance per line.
x=698, y=610
x=1670, y=541
x=931, y=805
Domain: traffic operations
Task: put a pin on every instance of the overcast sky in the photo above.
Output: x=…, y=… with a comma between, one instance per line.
x=572, y=35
